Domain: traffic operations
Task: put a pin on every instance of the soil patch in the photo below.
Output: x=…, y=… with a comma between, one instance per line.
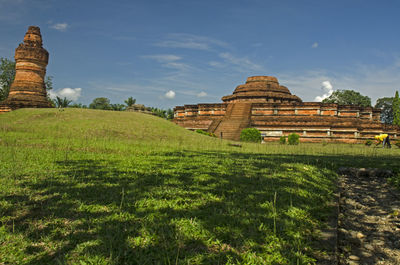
x=369, y=218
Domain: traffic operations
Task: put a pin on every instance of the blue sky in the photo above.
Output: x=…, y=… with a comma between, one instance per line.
x=168, y=53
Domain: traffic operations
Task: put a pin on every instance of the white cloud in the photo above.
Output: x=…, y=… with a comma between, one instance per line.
x=244, y=64
x=190, y=41
x=315, y=45
x=328, y=89
x=60, y=26
x=374, y=81
x=162, y=58
x=69, y=93
x=170, y=94
x=305, y=84
x=178, y=66
x=215, y=64
x=201, y=94
x=169, y=61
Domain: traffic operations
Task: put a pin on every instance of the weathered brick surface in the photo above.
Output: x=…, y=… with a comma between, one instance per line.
x=28, y=89
x=275, y=112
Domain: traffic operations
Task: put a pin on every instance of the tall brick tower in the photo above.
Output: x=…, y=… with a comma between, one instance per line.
x=28, y=89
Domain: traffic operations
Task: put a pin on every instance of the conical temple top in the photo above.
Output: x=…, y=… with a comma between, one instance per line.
x=33, y=36
x=262, y=89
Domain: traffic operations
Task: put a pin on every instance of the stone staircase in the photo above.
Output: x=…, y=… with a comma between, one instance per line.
x=214, y=125
x=236, y=119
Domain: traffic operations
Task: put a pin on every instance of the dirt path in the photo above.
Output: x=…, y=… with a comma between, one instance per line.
x=369, y=219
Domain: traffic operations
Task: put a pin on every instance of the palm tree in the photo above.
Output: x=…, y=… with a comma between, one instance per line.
x=62, y=102
x=130, y=101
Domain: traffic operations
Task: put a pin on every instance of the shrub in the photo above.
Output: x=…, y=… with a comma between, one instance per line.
x=250, y=135
x=282, y=139
x=200, y=131
x=205, y=133
x=397, y=143
x=293, y=139
x=368, y=142
x=211, y=134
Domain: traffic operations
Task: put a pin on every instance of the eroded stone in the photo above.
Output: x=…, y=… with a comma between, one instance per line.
x=28, y=88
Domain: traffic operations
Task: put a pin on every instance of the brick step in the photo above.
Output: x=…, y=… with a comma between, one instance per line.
x=228, y=128
x=232, y=125
x=236, y=119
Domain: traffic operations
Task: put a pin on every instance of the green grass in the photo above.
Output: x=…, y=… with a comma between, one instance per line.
x=102, y=187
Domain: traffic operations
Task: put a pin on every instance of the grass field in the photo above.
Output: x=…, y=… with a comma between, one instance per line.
x=100, y=187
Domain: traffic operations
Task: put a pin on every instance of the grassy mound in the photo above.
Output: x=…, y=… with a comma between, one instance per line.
x=103, y=187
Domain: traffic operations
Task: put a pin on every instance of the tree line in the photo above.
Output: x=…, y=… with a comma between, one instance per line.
x=105, y=104
x=390, y=105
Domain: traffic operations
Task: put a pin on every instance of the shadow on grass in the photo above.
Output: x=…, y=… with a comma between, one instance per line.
x=179, y=207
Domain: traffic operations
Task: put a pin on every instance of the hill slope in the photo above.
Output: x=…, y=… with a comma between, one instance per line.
x=103, y=187
x=72, y=125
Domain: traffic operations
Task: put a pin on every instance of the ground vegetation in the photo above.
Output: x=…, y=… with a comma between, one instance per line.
x=83, y=186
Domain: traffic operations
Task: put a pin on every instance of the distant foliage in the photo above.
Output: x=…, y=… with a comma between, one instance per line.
x=369, y=142
x=293, y=139
x=166, y=114
x=130, y=101
x=7, y=74
x=78, y=106
x=396, y=109
x=62, y=102
x=282, y=139
x=170, y=114
x=48, y=83
x=118, y=107
x=250, y=135
x=348, y=97
x=100, y=103
x=386, y=104
x=159, y=112
x=205, y=133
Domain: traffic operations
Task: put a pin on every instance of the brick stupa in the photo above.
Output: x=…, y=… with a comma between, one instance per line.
x=261, y=89
x=28, y=89
x=264, y=104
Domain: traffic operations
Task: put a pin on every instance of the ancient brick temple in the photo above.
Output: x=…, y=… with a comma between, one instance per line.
x=264, y=104
x=28, y=89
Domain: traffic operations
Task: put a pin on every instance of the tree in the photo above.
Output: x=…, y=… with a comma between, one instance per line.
x=7, y=74
x=48, y=83
x=78, y=106
x=159, y=112
x=62, y=102
x=100, y=103
x=396, y=109
x=348, y=97
x=118, y=107
x=130, y=101
x=170, y=114
x=386, y=104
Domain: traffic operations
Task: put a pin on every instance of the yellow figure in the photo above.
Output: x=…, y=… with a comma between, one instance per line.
x=383, y=138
